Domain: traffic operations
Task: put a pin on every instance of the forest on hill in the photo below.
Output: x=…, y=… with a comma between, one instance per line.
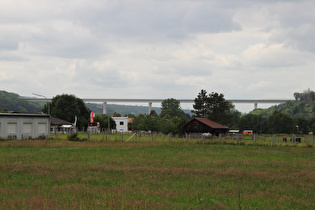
x=14, y=102
x=121, y=109
x=302, y=107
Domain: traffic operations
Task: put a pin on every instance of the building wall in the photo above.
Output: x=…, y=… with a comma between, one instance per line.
x=24, y=127
x=197, y=127
x=121, y=123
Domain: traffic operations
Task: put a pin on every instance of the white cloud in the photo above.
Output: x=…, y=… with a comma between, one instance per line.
x=270, y=56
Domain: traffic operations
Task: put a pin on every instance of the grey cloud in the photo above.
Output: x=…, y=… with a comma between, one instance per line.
x=158, y=20
x=107, y=22
x=8, y=45
x=295, y=24
x=12, y=57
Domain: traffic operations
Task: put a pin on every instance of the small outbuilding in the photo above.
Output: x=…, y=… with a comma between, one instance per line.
x=121, y=123
x=24, y=125
x=60, y=126
x=204, y=125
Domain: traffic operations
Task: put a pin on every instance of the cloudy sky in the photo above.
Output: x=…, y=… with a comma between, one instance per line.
x=245, y=49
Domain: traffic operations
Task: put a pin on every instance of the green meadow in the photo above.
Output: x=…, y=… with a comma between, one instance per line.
x=166, y=173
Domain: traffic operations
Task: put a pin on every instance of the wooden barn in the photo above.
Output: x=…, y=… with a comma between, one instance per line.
x=204, y=125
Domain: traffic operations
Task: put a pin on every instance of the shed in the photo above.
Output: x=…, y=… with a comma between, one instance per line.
x=204, y=125
x=24, y=125
x=121, y=123
x=59, y=125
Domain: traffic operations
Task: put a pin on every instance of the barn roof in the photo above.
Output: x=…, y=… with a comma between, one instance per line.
x=209, y=123
x=57, y=121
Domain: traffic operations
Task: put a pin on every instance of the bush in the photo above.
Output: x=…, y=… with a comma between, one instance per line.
x=73, y=137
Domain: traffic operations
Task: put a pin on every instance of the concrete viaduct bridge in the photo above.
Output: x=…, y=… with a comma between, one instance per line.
x=151, y=101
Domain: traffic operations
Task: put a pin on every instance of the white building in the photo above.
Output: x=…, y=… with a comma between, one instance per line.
x=121, y=123
x=24, y=126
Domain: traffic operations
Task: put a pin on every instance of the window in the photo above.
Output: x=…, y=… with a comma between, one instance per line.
x=121, y=123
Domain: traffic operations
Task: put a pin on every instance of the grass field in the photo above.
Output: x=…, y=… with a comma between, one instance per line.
x=161, y=174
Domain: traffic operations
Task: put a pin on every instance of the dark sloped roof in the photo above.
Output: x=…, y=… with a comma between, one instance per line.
x=57, y=121
x=209, y=123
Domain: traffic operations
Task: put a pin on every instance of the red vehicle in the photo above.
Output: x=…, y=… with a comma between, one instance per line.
x=247, y=132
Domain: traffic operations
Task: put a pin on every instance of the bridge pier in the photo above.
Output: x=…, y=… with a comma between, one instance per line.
x=104, y=107
x=150, y=107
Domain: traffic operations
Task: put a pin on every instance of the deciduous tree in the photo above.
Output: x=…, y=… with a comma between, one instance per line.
x=171, y=108
x=66, y=107
x=281, y=123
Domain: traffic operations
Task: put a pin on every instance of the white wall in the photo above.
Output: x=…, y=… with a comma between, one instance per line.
x=17, y=126
x=121, y=123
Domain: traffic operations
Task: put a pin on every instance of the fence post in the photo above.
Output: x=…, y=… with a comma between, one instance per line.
x=170, y=136
x=122, y=136
x=220, y=136
x=254, y=137
x=88, y=135
x=273, y=140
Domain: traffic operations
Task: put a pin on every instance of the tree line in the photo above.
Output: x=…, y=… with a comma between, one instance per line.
x=171, y=119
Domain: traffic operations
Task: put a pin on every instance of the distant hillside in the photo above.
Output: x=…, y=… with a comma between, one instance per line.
x=302, y=107
x=125, y=109
x=121, y=109
x=13, y=102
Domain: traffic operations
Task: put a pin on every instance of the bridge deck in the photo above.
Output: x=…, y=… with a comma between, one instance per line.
x=160, y=100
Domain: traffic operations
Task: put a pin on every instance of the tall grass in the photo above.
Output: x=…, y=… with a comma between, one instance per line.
x=161, y=174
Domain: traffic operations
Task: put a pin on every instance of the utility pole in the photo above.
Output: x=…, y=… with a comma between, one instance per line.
x=48, y=106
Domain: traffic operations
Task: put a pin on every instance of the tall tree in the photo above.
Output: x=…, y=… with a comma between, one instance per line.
x=219, y=109
x=311, y=124
x=106, y=122
x=281, y=123
x=171, y=108
x=200, y=104
x=66, y=107
x=253, y=122
x=302, y=126
x=213, y=107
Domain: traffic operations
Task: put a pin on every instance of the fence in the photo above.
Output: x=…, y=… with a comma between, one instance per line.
x=255, y=139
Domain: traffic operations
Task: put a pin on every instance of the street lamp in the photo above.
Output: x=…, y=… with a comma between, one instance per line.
x=45, y=98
